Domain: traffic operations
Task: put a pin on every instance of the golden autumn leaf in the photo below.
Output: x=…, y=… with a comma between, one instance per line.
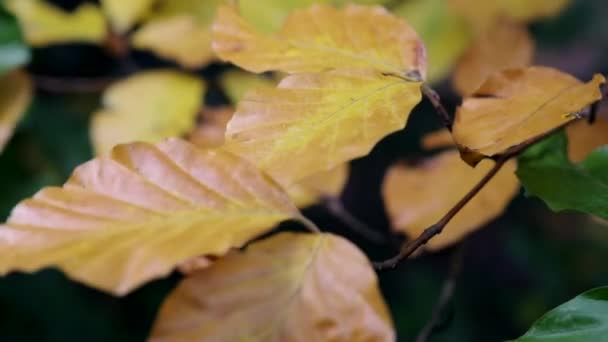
x=438, y=139
x=149, y=106
x=132, y=216
x=505, y=45
x=124, y=14
x=44, y=23
x=210, y=131
x=236, y=83
x=353, y=37
x=180, y=30
x=517, y=105
x=315, y=122
x=445, y=34
x=481, y=14
x=290, y=287
x=416, y=197
x=584, y=138
x=16, y=92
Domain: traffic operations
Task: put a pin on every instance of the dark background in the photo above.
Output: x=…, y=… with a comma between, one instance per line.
x=519, y=266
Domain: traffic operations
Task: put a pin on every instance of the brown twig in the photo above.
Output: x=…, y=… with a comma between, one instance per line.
x=72, y=84
x=446, y=294
x=336, y=208
x=444, y=115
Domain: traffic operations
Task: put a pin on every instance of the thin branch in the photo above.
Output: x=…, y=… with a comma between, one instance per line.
x=411, y=246
x=308, y=224
x=446, y=294
x=337, y=209
x=443, y=114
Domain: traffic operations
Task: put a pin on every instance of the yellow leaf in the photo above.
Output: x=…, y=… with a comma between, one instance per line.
x=584, y=138
x=482, y=14
x=506, y=45
x=15, y=96
x=323, y=184
x=125, y=219
x=236, y=83
x=180, y=30
x=290, y=287
x=445, y=34
x=516, y=105
x=355, y=37
x=315, y=122
x=149, y=106
x=416, y=197
x=124, y=14
x=45, y=24
x=210, y=132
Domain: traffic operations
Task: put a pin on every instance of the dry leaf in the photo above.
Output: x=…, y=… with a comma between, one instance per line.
x=355, y=37
x=584, y=138
x=124, y=14
x=445, y=34
x=125, y=219
x=315, y=122
x=290, y=287
x=180, y=30
x=517, y=105
x=506, y=45
x=210, y=131
x=45, y=24
x=416, y=197
x=16, y=92
x=438, y=139
x=237, y=83
x=149, y=106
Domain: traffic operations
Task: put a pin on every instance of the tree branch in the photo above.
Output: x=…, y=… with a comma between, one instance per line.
x=446, y=294
x=72, y=84
x=336, y=208
x=443, y=114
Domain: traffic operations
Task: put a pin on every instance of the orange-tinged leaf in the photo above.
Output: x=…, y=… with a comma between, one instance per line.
x=15, y=96
x=124, y=14
x=584, y=138
x=354, y=37
x=516, y=105
x=149, y=106
x=45, y=24
x=315, y=122
x=506, y=45
x=210, y=133
x=290, y=287
x=438, y=139
x=134, y=215
x=236, y=83
x=180, y=30
x=416, y=197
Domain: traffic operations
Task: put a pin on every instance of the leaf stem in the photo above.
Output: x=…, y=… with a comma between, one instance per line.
x=308, y=224
x=443, y=114
x=337, y=209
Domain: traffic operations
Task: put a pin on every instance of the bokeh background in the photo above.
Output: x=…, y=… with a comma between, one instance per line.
x=515, y=269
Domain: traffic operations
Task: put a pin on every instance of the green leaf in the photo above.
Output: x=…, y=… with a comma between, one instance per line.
x=584, y=318
x=546, y=172
x=13, y=51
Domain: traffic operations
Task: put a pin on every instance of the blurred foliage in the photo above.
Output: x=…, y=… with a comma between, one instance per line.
x=517, y=268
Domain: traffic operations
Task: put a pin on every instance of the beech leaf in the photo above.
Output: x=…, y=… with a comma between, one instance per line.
x=236, y=83
x=124, y=14
x=506, y=45
x=315, y=122
x=210, y=131
x=516, y=105
x=16, y=92
x=290, y=287
x=354, y=37
x=149, y=106
x=180, y=30
x=584, y=138
x=418, y=196
x=44, y=23
x=134, y=215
